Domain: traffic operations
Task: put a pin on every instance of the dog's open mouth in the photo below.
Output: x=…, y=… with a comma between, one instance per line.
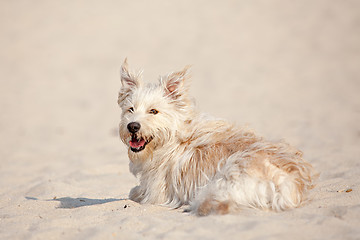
x=138, y=144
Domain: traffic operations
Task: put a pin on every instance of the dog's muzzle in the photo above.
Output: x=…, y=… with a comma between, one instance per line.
x=136, y=143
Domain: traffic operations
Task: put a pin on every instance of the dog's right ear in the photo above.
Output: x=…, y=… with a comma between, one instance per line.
x=129, y=81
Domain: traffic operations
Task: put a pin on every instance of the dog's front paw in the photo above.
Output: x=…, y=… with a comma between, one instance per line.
x=136, y=194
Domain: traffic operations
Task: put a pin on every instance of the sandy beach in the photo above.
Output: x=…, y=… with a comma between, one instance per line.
x=288, y=69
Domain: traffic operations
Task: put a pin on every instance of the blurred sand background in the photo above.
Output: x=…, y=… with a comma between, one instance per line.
x=288, y=69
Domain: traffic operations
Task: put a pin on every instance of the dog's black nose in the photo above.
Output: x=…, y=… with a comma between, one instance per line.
x=133, y=127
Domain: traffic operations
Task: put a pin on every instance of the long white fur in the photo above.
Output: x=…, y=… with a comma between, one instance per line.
x=195, y=159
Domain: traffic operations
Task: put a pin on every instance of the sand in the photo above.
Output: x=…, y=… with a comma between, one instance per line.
x=288, y=69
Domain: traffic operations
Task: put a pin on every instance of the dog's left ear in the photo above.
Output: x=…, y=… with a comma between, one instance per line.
x=175, y=84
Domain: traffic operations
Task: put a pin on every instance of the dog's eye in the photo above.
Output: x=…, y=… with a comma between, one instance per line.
x=154, y=111
x=131, y=110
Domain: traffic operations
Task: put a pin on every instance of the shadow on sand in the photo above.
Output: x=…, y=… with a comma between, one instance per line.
x=68, y=202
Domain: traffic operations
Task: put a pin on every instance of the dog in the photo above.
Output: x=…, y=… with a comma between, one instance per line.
x=184, y=157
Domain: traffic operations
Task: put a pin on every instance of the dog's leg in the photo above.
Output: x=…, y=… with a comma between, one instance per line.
x=227, y=193
x=136, y=194
x=210, y=205
x=250, y=180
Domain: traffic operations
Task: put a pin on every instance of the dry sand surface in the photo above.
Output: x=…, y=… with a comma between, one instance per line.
x=289, y=69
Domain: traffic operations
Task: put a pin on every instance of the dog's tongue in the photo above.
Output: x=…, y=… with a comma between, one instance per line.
x=134, y=143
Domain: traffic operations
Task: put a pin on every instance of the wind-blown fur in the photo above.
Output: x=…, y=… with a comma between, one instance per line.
x=184, y=157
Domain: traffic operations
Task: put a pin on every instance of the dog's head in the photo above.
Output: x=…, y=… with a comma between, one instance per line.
x=152, y=115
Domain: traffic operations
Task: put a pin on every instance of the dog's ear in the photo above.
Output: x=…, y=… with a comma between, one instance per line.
x=129, y=81
x=175, y=84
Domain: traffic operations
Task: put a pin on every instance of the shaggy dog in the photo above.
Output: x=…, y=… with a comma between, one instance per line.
x=185, y=157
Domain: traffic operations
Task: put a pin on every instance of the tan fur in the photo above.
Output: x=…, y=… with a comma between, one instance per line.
x=192, y=158
x=210, y=206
